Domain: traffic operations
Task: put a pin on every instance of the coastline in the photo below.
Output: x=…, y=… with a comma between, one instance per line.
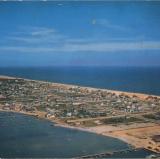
x=130, y=94
x=119, y=132
x=40, y=115
x=131, y=142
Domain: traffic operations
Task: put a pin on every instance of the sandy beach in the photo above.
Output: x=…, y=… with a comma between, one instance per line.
x=136, y=135
x=139, y=135
x=130, y=94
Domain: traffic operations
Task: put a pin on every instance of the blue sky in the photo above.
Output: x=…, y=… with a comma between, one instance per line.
x=79, y=33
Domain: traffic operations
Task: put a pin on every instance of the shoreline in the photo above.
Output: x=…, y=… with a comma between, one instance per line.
x=85, y=129
x=55, y=122
x=105, y=130
x=117, y=92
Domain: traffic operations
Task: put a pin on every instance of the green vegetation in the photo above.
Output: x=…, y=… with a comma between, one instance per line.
x=120, y=120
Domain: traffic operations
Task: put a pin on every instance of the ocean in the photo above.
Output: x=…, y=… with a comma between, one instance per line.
x=26, y=136
x=130, y=79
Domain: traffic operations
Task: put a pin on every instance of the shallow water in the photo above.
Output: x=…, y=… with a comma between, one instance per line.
x=27, y=136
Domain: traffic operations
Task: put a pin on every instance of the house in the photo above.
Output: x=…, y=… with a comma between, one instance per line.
x=69, y=114
x=2, y=97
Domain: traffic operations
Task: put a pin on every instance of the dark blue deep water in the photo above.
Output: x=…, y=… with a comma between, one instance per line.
x=132, y=79
x=26, y=136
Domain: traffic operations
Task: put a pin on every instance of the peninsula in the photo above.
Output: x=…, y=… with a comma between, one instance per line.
x=131, y=117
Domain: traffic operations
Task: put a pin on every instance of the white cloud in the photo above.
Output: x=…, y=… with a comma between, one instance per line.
x=90, y=47
x=114, y=46
x=42, y=32
x=39, y=35
x=49, y=40
x=38, y=31
x=107, y=24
